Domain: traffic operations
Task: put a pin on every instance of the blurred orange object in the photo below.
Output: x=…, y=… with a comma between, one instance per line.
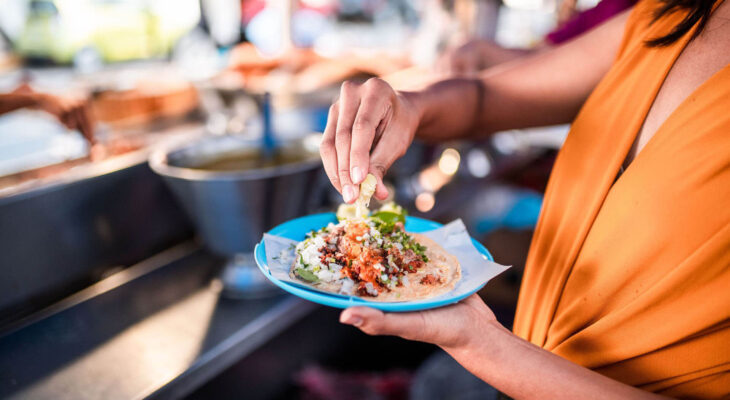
x=148, y=102
x=307, y=70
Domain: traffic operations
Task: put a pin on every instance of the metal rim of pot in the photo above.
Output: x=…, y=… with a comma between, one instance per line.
x=159, y=158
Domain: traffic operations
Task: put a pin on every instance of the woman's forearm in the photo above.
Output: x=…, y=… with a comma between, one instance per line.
x=522, y=370
x=448, y=109
x=469, y=108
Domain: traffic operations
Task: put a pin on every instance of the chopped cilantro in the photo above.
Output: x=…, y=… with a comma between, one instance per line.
x=389, y=217
x=306, y=275
x=301, y=261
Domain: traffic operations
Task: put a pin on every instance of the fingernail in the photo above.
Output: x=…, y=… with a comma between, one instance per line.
x=348, y=193
x=356, y=175
x=353, y=320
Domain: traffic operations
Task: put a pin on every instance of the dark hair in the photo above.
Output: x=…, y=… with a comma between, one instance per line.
x=698, y=12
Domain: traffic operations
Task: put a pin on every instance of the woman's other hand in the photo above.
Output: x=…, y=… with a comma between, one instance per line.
x=465, y=59
x=368, y=128
x=451, y=327
x=475, y=55
x=74, y=113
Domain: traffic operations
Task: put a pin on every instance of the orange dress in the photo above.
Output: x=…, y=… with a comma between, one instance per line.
x=630, y=277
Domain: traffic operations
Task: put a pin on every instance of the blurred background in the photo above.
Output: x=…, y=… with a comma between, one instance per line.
x=125, y=246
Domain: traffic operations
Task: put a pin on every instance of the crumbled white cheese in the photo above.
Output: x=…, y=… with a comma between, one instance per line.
x=309, y=251
x=391, y=263
x=347, y=286
x=326, y=275
x=370, y=289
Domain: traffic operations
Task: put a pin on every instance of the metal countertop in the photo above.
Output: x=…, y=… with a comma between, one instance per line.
x=158, y=329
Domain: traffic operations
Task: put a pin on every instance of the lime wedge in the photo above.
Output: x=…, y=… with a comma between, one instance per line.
x=367, y=189
x=392, y=207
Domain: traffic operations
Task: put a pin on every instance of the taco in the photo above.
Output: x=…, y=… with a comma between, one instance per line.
x=375, y=258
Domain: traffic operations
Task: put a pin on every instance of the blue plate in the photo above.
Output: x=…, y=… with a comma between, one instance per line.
x=296, y=229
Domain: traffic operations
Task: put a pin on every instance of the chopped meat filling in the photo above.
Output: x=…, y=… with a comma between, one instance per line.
x=373, y=260
x=430, y=279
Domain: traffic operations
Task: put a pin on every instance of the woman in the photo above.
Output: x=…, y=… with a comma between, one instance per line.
x=626, y=291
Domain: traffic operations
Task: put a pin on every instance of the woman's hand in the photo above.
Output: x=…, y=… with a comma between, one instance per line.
x=466, y=59
x=475, y=55
x=74, y=113
x=368, y=128
x=452, y=327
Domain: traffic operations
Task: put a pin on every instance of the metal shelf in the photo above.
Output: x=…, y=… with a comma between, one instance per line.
x=158, y=329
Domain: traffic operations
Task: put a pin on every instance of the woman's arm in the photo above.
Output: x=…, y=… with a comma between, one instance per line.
x=469, y=332
x=371, y=125
x=14, y=101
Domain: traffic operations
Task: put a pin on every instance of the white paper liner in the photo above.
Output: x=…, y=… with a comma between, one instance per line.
x=476, y=270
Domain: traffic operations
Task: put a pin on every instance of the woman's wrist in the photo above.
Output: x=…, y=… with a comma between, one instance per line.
x=418, y=103
x=482, y=338
x=448, y=109
x=485, y=351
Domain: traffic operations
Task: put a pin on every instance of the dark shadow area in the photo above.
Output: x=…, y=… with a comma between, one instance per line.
x=29, y=355
x=72, y=235
x=319, y=339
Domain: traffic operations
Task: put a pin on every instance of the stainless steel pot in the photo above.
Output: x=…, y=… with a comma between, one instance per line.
x=232, y=209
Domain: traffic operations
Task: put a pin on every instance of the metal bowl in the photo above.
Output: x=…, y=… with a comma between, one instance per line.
x=233, y=208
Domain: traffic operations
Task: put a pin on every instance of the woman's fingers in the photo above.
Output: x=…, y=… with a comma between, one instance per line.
x=449, y=326
x=86, y=123
x=375, y=322
x=368, y=129
x=373, y=107
x=327, y=148
x=381, y=192
x=349, y=104
x=390, y=146
x=73, y=113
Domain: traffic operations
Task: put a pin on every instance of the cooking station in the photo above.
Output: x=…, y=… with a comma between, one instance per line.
x=131, y=303
x=122, y=277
